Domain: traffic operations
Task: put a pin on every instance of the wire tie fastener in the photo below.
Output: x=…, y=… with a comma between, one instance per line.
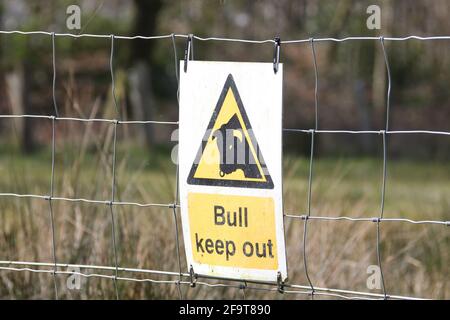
x=193, y=277
x=276, y=54
x=280, y=283
x=187, y=50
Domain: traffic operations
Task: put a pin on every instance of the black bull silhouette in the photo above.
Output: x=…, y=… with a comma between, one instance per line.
x=234, y=150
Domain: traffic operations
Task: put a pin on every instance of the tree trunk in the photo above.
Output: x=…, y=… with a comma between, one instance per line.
x=18, y=84
x=141, y=98
x=140, y=80
x=363, y=105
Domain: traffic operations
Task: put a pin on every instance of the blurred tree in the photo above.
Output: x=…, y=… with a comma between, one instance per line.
x=352, y=74
x=21, y=67
x=140, y=80
x=18, y=80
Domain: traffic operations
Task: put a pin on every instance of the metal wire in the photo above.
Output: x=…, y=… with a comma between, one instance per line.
x=38, y=116
x=305, y=227
x=52, y=179
x=176, y=195
x=175, y=57
x=180, y=278
x=54, y=74
x=264, y=286
x=176, y=123
x=111, y=211
x=51, y=216
x=170, y=205
x=383, y=185
x=445, y=133
x=366, y=219
x=113, y=178
x=311, y=165
x=113, y=84
x=316, y=86
x=184, y=36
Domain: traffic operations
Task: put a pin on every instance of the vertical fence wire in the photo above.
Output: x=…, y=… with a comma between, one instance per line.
x=175, y=57
x=54, y=74
x=316, y=86
x=383, y=190
x=176, y=195
x=111, y=211
x=51, y=216
x=113, y=178
x=311, y=166
x=113, y=84
x=52, y=177
x=243, y=287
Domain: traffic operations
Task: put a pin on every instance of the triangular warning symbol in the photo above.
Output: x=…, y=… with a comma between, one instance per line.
x=229, y=155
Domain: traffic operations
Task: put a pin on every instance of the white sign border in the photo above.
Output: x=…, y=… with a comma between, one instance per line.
x=242, y=73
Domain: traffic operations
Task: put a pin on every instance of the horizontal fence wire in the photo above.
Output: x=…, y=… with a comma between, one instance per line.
x=185, y=36
x=171, y=206
x=380, y=132
x=26, y=266
x=179, y=277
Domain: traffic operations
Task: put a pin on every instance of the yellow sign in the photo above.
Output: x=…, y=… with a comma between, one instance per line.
x=236, y=231
x=230, y=195
x=229, y=155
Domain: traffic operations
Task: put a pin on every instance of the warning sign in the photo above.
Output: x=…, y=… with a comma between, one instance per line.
x=230, y=155
x=230, y=170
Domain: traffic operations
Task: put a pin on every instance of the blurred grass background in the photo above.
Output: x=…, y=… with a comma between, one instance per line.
x=415, y=257
x=347, y=170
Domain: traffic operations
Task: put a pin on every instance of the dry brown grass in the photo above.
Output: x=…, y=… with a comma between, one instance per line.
x=415, y=257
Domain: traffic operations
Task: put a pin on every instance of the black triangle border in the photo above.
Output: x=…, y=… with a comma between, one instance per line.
x=268, y=184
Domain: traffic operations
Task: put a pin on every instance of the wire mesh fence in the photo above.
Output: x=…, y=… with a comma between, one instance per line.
x=178, y=278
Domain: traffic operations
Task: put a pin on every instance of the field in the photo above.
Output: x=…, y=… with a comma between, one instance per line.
x=339, y=74
x=415, y=258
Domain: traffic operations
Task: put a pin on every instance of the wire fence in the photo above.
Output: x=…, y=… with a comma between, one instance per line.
x=179, y=278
